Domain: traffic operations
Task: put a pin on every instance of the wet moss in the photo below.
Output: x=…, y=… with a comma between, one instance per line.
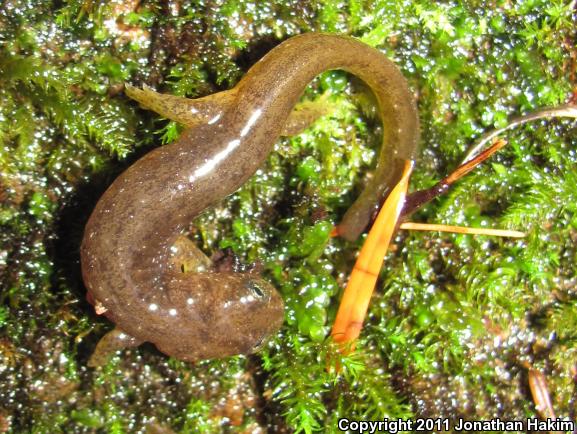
x=456, y=319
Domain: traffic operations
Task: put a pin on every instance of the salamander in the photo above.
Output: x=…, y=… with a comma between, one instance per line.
x=132, y=243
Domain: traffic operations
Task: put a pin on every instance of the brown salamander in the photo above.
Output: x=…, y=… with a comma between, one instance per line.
x=128, y=251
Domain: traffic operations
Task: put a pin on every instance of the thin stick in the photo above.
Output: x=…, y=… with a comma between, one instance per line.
x=562, y=111
x=357, y=295
x=461, y=229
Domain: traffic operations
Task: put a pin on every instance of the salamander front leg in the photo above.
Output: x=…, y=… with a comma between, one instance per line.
x=110, y=343
x=306, y=113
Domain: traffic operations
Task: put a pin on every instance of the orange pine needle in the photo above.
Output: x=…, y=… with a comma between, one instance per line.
x=334, y=232
x=460, y=229
x=540, y=393
x=357, y=295
x=419, y=198
x=466, y=167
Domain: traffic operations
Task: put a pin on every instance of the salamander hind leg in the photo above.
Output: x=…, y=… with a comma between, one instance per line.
x=110, y=343
x=188, y=258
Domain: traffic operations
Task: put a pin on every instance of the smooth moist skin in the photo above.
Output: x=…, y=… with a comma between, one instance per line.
x=132, y=253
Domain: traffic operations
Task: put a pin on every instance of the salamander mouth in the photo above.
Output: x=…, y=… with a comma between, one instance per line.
x=259, y=344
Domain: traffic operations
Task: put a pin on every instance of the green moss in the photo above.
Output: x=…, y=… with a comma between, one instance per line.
x=455, y=320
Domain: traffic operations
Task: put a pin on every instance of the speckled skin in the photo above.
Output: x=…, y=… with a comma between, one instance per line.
x=126, y=252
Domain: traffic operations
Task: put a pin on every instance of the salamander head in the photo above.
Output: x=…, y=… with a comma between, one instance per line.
x=220, y=315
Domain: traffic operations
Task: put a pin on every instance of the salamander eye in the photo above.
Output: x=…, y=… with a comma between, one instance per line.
x=255, y=289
